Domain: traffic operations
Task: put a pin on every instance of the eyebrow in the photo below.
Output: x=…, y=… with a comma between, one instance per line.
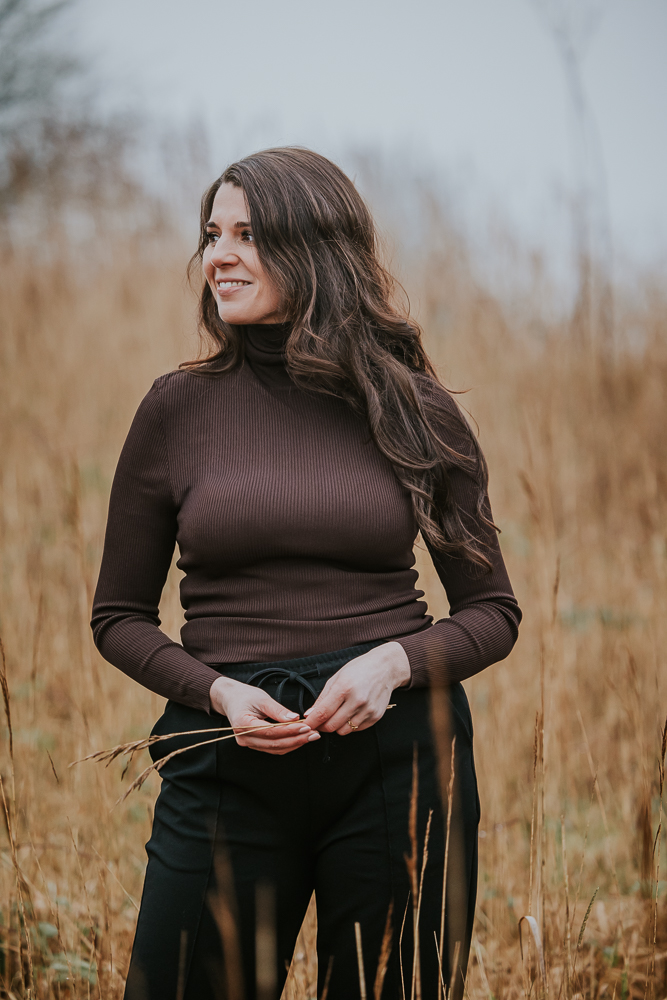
x=237, y=225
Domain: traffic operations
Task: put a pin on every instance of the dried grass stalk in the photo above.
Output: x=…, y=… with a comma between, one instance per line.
x=360, y=961
x=535, y=931
x=125, y=749
x=441, y=984
x=327, y=978
x=132, y=748
x=9, y=812
x=385, y=952
x=566, y=879
x=412, y=867
x=222, y=902
x=450, y=801
x=400, y=946
x=480, y=962
x=656, y=846
x=416, y=971
x=585, y=920
x=455, y=968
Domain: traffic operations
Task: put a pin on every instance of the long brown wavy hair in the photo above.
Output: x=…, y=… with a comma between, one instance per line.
x=316, y=240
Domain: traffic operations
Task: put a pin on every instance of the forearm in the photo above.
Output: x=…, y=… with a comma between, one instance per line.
x=456, y=648
x=142, y=651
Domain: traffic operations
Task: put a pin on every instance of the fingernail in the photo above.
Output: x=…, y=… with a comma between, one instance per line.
x=304, y=729
x=290, y=715
x=307, y=712
x=315, y=736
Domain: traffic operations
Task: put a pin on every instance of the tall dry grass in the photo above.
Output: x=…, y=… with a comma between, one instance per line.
x=568, y=729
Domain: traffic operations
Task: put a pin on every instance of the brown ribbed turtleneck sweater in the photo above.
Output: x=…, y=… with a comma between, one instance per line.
x=294, y=534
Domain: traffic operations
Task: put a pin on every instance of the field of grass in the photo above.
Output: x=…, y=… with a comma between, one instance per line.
x=568, y=729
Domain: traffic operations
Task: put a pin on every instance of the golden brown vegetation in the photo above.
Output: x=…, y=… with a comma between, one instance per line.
x=568, y=729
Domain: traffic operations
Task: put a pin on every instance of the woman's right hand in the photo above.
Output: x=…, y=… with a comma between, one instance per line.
x=248, y=707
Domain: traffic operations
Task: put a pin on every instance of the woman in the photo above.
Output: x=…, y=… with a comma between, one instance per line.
x=294, y=466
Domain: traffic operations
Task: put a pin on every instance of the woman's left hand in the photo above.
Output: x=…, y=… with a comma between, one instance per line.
x=357, y=695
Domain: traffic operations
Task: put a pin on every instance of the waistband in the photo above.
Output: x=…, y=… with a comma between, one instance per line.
x=317, y=665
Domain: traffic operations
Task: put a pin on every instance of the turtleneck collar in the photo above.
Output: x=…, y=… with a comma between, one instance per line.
x=264, y=345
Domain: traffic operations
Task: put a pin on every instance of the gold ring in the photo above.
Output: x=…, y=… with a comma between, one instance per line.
x=351, y=724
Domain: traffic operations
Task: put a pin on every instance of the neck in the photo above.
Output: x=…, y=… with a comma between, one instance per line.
x=264, y=346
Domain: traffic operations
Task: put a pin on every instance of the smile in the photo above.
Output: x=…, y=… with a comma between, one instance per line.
x=231, y=284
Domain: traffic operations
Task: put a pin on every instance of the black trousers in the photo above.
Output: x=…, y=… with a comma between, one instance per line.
x=241, y=839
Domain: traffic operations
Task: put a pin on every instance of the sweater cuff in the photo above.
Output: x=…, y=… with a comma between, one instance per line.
x=196, y=687
x=424, y=653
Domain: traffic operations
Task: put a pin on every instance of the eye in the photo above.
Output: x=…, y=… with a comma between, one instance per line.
x=247, y=236
x=211, y=237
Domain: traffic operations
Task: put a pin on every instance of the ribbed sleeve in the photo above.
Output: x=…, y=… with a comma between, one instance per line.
x=139, y=544
x=484, y=614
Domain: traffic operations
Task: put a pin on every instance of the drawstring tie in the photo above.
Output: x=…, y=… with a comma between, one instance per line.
x=262, y=677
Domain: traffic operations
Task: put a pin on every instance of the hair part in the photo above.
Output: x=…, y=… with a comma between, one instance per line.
x=317, y=242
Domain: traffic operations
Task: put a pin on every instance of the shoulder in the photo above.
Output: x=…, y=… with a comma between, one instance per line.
x=177, y=391
x=173, y=384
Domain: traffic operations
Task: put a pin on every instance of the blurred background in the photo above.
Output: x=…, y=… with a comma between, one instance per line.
x=514, y=154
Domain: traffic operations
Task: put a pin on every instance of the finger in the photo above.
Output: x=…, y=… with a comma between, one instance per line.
x=266, y=729
x=361, y=718
x=340, y=722
x=261, y=729
x=267, y=706
x=333, y=694
x=281, y=734
x=350, y=708
x=328, y=703
x=278, y=746
x=358, y=725
x=281, y=746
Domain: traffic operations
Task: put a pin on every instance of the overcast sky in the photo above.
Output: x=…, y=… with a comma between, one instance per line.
x=473, y=88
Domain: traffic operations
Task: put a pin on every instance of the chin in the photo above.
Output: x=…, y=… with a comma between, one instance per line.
x=235, y=318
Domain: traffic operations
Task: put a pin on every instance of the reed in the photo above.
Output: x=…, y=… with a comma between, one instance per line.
x=574, y=431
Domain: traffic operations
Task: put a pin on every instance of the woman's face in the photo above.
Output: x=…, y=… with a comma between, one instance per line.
x=240, y=285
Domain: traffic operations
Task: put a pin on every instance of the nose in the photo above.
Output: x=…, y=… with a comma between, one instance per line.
x=223, y=253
